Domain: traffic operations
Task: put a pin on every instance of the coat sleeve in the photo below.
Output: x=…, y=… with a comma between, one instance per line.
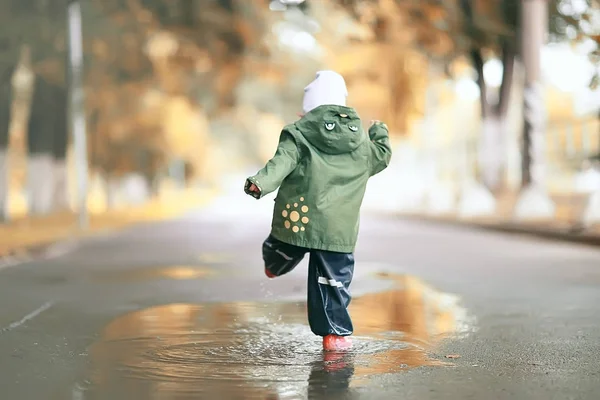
x=277, y=169
x=380, y=149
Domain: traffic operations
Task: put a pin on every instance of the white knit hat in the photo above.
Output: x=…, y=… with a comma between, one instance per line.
x=328, y=87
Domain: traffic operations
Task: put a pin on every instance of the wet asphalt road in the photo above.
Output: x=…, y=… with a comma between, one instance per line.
x=181, y=310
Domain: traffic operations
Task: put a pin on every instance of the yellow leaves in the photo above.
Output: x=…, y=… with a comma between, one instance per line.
x=434, y=12
x=247, y=31
x=226, y=81
x=145, y=16
x=358, y=58
x=162, y=44
x=119, y=130
x=183, y=126
x=51, y=69
x=122, y=18
x=436, y=42
x=131, y=39
x=267, y=127
x=493, y=25
x=100, y=49
x=203, y=62
x=177, y=125
x=486, y=7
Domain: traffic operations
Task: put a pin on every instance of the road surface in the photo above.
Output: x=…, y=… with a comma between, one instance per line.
x=182, y=310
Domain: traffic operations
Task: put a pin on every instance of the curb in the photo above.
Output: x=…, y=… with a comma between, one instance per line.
x=37, y=252
x=64, y=245
x=556, y=234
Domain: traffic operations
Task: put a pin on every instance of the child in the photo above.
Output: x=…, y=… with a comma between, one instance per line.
x=321, y=167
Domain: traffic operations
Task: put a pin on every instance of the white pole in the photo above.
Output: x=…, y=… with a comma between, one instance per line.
x=77, y=109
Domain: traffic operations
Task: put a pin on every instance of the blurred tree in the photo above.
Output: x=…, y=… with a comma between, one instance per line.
x=59, y=149
x=149, y=58
x=146, y=62
x=579, y=22
x=40, y=145
x=39, y=26
x=10, y=42
x=480, y=30
x=5, y=115
x=449, y=30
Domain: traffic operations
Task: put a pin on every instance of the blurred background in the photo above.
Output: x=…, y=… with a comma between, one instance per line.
x=112, y=111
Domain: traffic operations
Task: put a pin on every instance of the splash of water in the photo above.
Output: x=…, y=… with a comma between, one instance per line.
x=252, y=350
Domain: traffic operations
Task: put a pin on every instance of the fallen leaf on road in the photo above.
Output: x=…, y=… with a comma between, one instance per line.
x=453, y=356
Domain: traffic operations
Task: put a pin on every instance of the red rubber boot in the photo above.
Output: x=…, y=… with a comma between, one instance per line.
x=336, y=343
x=269, y=274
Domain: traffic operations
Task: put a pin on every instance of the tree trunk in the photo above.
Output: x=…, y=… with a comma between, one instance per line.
x=533, y=163
x=5, y=115
x=177, y=172
x=151, y=174
x=597, y=155
x=61, y=141
x=533, y=136
x=488, y=158
x=40, y=140
x=493, y=145
x=111, y=188
x=534, y=202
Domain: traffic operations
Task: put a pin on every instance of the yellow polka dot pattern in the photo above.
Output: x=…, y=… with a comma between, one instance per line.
x=295, y=220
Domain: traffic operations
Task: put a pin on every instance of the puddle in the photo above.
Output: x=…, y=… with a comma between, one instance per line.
x=266, y=350
x=143, y=274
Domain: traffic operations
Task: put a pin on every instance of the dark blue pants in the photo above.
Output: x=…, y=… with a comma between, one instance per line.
x=329, y=277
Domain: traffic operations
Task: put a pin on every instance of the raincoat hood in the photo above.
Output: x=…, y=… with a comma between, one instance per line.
x=332, y=129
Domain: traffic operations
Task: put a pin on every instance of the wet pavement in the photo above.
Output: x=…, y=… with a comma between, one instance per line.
x=182, y=310
x=261, y=350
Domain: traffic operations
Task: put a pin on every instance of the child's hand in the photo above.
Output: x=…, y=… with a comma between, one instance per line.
x=251, y=189
x=254, y=189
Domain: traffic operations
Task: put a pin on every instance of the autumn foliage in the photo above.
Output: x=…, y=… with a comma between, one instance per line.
x=208, y=83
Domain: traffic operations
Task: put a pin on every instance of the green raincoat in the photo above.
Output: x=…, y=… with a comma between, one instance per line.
x=321, y=167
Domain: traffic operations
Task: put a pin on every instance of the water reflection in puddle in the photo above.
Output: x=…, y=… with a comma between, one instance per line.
x=266, y=351
x=143, y=274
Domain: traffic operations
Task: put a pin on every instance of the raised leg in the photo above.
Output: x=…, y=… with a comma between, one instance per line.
x=280, y=258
